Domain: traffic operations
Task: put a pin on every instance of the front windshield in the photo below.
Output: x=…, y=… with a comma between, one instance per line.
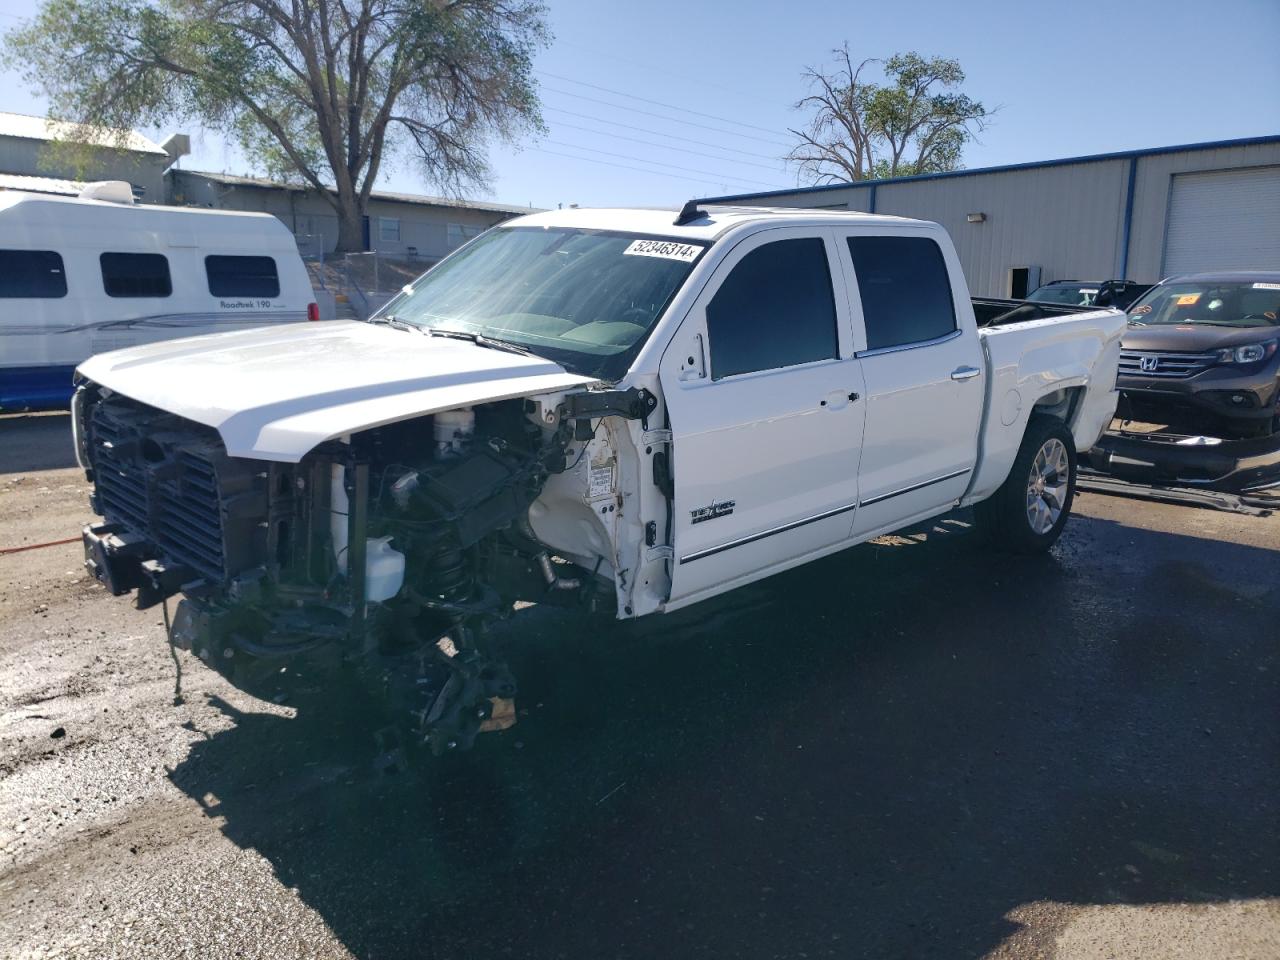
x=1072, y=293
x=1209, y=303
x=583, y=298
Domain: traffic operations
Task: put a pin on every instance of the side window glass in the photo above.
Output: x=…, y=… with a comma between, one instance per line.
x=32, y=274
x=905, y=290
x=775, y=309
x=242, y=276
x=135, y=275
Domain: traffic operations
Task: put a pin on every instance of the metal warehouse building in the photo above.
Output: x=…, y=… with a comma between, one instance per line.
x=1139, y=215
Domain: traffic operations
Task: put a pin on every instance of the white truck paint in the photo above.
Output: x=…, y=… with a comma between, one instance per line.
x=277, y=392
x=678, y=481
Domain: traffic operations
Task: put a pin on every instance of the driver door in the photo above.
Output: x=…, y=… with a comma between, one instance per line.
x=762, y=389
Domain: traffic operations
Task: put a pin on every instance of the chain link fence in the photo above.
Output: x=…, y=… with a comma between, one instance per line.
x=359, y=282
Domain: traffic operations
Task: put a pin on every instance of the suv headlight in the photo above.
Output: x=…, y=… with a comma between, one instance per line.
x=1249, y=353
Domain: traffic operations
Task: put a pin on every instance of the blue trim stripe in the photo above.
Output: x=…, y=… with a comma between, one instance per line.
x=1123, y=272
x=1034, y=165
x=35, y=388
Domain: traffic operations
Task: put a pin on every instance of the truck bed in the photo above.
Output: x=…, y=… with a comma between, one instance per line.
x=996, y=312
x=1028, y=345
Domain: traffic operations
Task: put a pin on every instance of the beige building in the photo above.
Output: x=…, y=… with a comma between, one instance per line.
x=400, y=225
x=27, y=161
x=403, y=226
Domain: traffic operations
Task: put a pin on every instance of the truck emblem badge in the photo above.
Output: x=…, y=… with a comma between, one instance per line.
x=718, y=508
x=1149, y=364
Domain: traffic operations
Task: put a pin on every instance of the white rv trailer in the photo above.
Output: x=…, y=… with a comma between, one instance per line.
x=83, y=275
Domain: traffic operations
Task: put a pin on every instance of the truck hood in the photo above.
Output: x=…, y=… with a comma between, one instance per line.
x=274, y=393
x=1193, y=338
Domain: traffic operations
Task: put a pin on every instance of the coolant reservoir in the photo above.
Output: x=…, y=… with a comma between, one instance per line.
x=383, y=570
x=453, y=430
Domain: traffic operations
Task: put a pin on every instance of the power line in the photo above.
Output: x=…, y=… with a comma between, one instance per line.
x=650, y=113
x=659, y=163
x=773, y=167
x=623, y=166
x=648, y=65
x=656, y=103
x=657, y=133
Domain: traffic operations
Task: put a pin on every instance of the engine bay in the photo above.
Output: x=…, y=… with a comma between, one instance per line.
x=389, y=552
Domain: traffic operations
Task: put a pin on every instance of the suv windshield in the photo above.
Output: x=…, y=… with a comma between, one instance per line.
x=1079, y=294
x=1209, y=303
x=586, y=299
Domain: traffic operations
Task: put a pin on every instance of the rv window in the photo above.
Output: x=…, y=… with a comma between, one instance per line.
x=242, y=276
x=33, y=274
x=135, y=275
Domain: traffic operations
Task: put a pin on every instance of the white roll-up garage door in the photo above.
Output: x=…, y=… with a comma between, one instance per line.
x=1224, y=220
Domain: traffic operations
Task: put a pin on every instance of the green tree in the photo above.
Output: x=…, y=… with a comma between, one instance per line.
x=917, y=122
x=323, y=92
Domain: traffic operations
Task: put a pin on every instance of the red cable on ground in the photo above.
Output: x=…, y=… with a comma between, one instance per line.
x=37, y=546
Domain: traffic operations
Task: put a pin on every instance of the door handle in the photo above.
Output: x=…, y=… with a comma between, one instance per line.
x=965, y=373
x=838, y=399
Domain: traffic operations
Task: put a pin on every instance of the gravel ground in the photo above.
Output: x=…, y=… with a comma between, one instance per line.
x=915, y=749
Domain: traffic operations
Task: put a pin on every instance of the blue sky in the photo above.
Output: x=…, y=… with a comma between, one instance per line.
x=652, y=103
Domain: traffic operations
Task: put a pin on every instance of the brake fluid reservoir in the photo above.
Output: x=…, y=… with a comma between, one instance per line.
x=453, y=430
x=384, y=570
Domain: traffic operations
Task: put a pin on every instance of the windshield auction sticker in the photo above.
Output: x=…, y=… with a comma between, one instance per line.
x=1266, y=286
x=665, y=249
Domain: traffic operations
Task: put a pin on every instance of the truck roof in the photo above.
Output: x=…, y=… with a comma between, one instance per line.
x=661, y=221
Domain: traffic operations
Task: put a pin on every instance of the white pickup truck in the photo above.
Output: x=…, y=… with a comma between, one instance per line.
x=582, y=407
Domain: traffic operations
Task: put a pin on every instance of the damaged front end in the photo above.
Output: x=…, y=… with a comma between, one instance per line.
x=388, y=552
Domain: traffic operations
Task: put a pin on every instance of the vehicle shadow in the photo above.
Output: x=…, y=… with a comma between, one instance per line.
x=881, y=754
x=31, y=442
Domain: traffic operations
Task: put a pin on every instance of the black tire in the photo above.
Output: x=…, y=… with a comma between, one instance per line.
x=1006, y=517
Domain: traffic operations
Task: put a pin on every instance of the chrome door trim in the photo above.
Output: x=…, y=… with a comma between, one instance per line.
x=914, y=487
x=741, y=541
x=908, y=346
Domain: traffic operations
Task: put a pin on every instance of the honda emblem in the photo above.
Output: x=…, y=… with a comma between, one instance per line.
x=1149, y=364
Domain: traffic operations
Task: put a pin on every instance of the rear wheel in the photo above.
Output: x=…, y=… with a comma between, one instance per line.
x=1028, y=512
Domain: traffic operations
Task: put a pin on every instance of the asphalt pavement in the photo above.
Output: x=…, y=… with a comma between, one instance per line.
x=913, y=749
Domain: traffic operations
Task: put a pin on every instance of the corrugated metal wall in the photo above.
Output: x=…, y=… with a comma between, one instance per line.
x=1067, y=219
x=1151, y=196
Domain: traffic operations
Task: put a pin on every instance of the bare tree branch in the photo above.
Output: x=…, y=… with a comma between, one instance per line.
x=853, y=120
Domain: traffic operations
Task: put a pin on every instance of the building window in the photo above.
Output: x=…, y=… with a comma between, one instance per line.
x=774, y=309
x=905, y=290
x=32, y=274
x=389, y=229
x=136, y=275
x=242, y=276
x=460, y=233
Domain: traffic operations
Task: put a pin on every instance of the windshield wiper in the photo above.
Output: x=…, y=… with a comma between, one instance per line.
x=1216, y=323
x=392, y=321
x=480, y=340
